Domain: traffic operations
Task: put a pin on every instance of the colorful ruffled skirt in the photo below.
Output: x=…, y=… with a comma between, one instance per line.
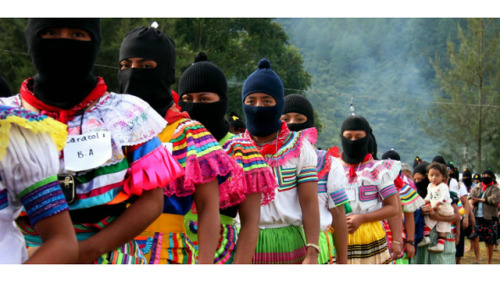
x=284, y=245
x=368, y=245
x=327, y=247
x=165, y=241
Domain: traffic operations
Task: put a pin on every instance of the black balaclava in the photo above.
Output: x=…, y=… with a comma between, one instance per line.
x=4, y=88
x=355, y=151
x=391, y=154
x=295, y=103
x=467, y=178
x=439, y=159
x=487, y=180
x=204, y=76
x=422, y=184
x=263, y=121
x=151, y=85
x=63, y=65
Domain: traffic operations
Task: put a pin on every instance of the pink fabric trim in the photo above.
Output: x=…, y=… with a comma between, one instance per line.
x=260, y=180
x=311, y=134
x=146, y=175
x=205, y=169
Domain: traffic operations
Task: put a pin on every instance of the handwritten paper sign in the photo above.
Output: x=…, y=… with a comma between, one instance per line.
x=87, y=151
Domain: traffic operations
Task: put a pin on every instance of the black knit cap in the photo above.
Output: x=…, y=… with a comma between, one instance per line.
x=489, y=172
x=203, y=76
x=91, y=25
x=150, y=43
x=467, y=173
x=477, y=176
x=391, y=154
x=421, y=168
x=439, y=159
x=356, y=122
x=295, y=103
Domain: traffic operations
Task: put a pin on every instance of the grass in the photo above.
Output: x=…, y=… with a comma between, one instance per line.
x=469, y=257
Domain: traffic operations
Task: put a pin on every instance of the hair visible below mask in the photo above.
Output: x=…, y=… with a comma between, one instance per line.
x=295, y=103
x=372, y=145
x=204, y=76
x=63, y=65
x=354, y=151
x=263, y=121
x=152, y=85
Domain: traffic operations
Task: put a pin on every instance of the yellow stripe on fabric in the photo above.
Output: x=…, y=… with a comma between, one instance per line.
x=168, y=223
x=168, y=132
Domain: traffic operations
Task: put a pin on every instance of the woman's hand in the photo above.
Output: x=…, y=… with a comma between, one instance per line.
x=353, y=222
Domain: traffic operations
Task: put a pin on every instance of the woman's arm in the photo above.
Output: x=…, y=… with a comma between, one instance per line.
x=388, y=210
x=249, y=212
x=451, y=218
x=308, y=199
x=135, y=219
x=339, y=225
x=410, y=233
x=466, y=205
x=206, y=199
x=59, y=240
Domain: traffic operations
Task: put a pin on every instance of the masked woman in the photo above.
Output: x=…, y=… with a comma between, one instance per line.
x=372, y=197
x=211, y=179
x=299, y=115
x=203, y=91
x=112, y=188
x=485, y=198
x=289, y=225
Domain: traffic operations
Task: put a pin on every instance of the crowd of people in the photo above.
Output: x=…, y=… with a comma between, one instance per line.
x=150, y=175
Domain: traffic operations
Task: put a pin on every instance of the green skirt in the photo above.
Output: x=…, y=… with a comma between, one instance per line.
x=285, y=245
x=422, y=256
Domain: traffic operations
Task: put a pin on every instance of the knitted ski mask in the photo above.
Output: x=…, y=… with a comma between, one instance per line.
x=153, y=84
x=391, y=154
x=422, y=184
x=204, y=76
x=488, y=180
x=295, y=103
x=355, y=151
x=263, y=121
x=63, y=65
x=467, y=178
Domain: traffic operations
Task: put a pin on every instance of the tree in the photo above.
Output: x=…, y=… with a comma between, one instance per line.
x=467, y=92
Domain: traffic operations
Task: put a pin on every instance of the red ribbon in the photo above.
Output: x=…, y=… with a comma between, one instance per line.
x=352, y=171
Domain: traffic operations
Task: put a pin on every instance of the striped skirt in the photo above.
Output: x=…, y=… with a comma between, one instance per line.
x=327, y=247
x=285, y=245
x=129, y=253
x=368, y=245
x=422, y=256
x=226, y=248
x=165, y=241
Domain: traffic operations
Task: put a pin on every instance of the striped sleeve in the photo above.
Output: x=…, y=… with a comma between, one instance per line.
x=43, y=199
x=307, y=175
